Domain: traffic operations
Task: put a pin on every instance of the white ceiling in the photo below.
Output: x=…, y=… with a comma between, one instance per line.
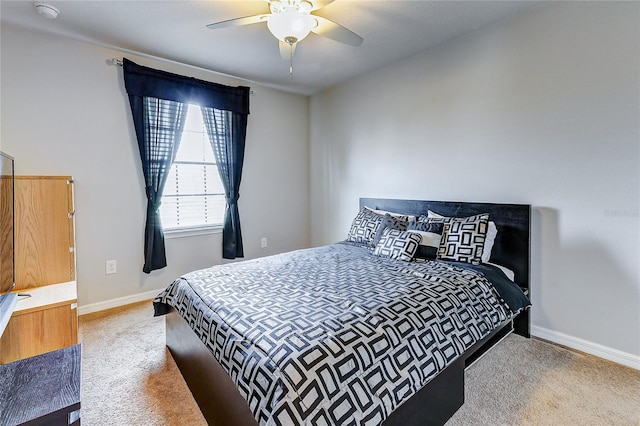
x=176, y=30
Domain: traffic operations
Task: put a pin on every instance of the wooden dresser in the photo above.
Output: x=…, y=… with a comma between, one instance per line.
x=45, y=269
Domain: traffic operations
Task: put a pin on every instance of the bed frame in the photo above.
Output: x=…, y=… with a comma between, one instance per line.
x=222, y=405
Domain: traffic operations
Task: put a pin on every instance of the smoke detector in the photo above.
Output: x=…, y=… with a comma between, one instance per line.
x=47, y=10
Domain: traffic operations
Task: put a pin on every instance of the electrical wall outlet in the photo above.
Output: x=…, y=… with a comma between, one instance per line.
x=111, y=267
x=263, y=242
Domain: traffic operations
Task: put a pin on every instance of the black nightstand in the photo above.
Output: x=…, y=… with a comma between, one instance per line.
x=42, y=390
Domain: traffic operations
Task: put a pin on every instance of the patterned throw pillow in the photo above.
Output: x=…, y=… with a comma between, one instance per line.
x=364, y=227
x=431, y=234
x=396, y=244
x=389, y=221
x=492, y=233
x=463, y=238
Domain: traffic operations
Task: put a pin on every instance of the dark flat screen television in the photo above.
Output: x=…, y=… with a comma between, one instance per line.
x=7, y=239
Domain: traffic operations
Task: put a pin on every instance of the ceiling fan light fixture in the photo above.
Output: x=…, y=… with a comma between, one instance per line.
x=290, y=24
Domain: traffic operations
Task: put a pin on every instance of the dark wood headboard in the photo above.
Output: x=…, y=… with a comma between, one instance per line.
x=512, y=247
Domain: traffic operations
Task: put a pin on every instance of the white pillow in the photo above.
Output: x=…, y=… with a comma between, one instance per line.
x=492, y=232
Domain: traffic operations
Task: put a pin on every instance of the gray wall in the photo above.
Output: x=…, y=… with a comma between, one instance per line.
x=65, y=112
x=541, y=109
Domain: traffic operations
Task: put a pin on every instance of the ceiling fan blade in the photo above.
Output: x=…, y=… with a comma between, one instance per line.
x=336, y=32
x=317, y=4
x=285, y=50
x=247, y=20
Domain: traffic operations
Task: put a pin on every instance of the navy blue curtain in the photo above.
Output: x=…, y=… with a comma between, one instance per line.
x=159, y=124
x=227, y=132
x=159, y=133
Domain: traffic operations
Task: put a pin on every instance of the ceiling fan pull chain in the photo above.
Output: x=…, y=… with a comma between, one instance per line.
x=291, y=41
x=291, y=61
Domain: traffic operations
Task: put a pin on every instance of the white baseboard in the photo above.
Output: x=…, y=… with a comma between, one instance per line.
x=585, y=346
x=114, y=303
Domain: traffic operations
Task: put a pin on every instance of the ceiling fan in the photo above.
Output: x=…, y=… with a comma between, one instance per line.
x=290, y=21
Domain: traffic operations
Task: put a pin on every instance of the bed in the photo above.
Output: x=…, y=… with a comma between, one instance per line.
x=346, y=333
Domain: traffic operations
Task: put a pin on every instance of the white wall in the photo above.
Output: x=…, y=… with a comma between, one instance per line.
x=65, y=112
x=541, y=109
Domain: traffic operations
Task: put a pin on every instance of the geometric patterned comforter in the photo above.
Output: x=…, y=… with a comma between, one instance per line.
x=334, y=335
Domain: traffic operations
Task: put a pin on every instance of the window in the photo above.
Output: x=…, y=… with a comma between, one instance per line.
x=193, y=196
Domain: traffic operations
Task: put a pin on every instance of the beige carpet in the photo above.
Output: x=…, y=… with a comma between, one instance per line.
x=129, y=378
x=128, y=375
x=532, y=382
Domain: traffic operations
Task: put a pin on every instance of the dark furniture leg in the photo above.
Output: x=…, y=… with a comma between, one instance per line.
x=521, y=324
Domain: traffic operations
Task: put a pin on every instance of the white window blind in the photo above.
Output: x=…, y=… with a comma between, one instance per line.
x=193, y=196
